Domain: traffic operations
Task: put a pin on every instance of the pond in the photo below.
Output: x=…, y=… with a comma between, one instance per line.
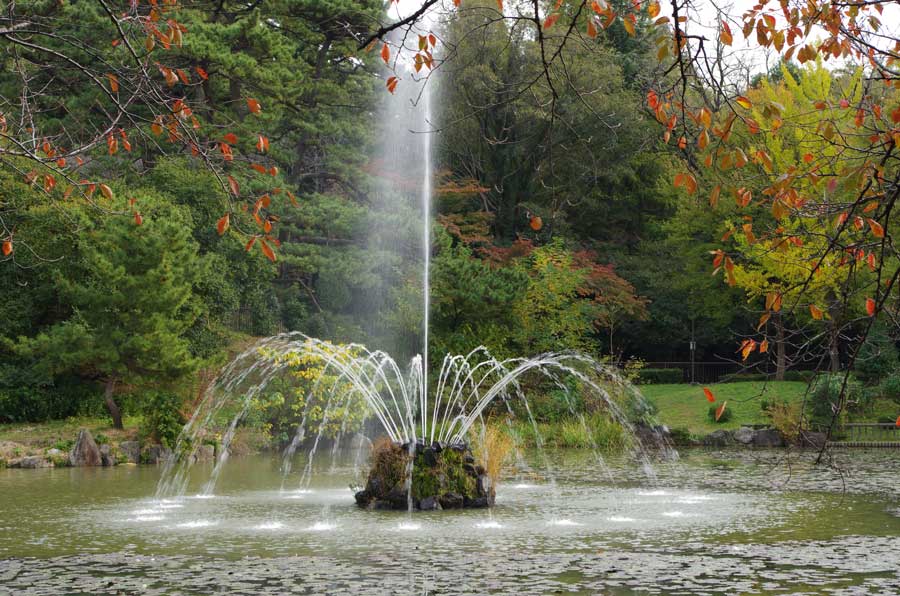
x=713, y=522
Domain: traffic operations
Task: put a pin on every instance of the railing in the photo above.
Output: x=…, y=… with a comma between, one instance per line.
x=867, y=434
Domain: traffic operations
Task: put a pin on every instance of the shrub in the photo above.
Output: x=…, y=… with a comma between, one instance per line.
x=725, y=417
x=659, y=376
x=163, y=419
x=786, y=419
x=824, y=399
x=877, y=357
x=889, y=388
x=799, y=375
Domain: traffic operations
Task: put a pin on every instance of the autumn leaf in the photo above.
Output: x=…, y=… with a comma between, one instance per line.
x=385, y=53
x=7, y=248
x=536, y=223
x=629, y=25
x=870, y=307
x=223, y=223
x=262, y=144
x=113, y=83
x=816, y=312
x=591, y=29
x=233, y=185
x=106, y=191
x=898, y=422
x=201, y=73
x=725, y=36
x=714, y=196
x=231, y=138
x=764, y=346
x=138, y=220
x=253, y=106
x=709, y=395
x=550, y=20
x=250, y=244
x=720, y=410
x=877, y=230
x=267, y=250
x=392, y=84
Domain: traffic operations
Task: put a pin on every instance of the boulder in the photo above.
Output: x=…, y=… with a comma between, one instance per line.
x=768, y=437
x=812, y=440
x=744, y=435
x=155, y=454
x=106, y=456
x=30, y=462
x=719, y=438
x=206, y=452
x=429, y=504
x=451, y=501
x=131, y=450
x=85, y=452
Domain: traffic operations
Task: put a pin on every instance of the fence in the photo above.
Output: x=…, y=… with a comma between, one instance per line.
x=703, y=372
x=873, y=434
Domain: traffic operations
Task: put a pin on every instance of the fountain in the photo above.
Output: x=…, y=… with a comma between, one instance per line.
x=426, y=461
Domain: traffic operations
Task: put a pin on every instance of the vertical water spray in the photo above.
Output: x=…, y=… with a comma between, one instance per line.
x=426, y=238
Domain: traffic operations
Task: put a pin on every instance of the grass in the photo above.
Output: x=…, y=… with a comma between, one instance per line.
x=37, y=436
x=685, y=407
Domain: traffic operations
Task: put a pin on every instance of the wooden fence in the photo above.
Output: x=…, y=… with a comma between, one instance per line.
x=867, y=435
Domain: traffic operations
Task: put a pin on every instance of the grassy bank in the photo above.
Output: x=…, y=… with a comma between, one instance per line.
x=36, y=437
x=685, y=407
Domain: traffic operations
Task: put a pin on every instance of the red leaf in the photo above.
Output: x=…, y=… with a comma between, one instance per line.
x=113, y=83
x=250, y=243
x=223, y=224
x=720, y=410
x=138, y=220
x=392, y=84
x=870, y=307
x=7, y=248
x=201, y=73
x=385, y=53
x=550, y=20
x=231, y=138
x=877, y=230
x=267, y=250
x=254, y=106
x=898, y=422
x=709, y=395
x=258, y=167
x=536, y=223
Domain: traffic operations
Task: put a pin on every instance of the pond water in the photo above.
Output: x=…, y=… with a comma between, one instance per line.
x=713, y=522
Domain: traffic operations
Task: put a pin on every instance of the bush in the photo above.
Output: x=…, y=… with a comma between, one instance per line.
x=889, y=388
x=877, y=357
x=824, y=399
x=799, y=375
x=725, y=417
x=659, y=376
x=163, y=419
x=745, y=378
x=785, y=418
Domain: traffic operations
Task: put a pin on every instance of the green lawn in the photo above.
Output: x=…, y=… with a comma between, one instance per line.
x=685, y=406
x=38, y=436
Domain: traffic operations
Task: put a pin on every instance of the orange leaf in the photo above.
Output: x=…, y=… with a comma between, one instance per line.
x=253, y=106
x=816, y=312
x=138, y=220
x=870, y=307
x=250, y=243
x=107, y=191
x=7, y=248
x=258, y=167
x=725, y=36
x=877, y=230
x=113, y=83
x=720, y=410
x=591, y=29
x=385, y=53
x=231, y=138
x=550, y=20
x=267, y=250
x=392, y=84
x=223, y=224
x=714, y=196
x=744, y=102
x=898, y=422
x=536, y=223
x=235, y=189
x=709, y=395
x=201, y=73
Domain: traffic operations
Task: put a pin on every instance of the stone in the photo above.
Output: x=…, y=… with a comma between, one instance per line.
x=484, y=484
x=744, y=435
x=85, y=452
x=205, y=452
x=429, y=504
x=106, y=456
x=54, y=452
x=429, y=457
x=768, y=437
x=30, y=462
x=719, y=438
x=131, y=450
x=812, y=440
x=155, y=454
x=451, y=501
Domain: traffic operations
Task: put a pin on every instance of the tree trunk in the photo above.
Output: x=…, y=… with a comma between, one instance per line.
x=114, y=411
x=780, y=348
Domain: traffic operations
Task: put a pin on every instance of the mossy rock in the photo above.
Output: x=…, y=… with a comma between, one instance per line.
x=442, y=477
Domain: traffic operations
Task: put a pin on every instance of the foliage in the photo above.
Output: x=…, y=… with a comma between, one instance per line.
x=830, y=396
x=786, y=418
x=162, y=417
x=316, y=397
